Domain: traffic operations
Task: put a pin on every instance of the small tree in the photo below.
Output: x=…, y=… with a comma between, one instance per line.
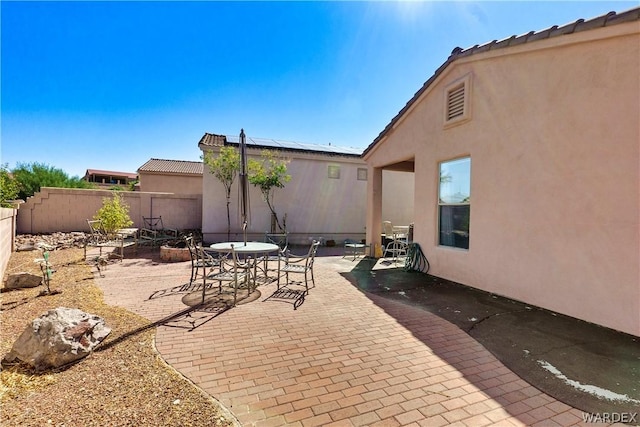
x=268, y=174
x=224, y=167
x=114, y=214
x=8, y=188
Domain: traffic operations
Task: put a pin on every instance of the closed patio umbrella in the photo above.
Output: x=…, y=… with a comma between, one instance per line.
x=244, y=187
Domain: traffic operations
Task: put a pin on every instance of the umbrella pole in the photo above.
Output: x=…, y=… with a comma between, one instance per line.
x=244, y=232
x=244, y=202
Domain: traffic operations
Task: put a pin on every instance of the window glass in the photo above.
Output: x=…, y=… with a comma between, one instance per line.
x=455, y=181
x=454, y=208
x=334, y=172
x=362, y=174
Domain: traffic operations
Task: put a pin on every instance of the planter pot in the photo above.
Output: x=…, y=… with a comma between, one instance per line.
x=173, y=254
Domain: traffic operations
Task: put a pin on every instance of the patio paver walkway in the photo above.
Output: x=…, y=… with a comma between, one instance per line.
x=343, y=358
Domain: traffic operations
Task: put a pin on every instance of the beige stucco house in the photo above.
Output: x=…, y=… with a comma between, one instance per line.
x=108, y=179
x=525, y=157
x=171, y=176
x=325, y=199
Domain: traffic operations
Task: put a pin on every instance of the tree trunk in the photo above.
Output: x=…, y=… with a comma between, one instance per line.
x=228, y=214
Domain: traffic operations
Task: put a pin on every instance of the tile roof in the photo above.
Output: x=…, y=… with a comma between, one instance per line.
x=130, y=175
x=611, y=18
x=185, y=167
x=213, y=140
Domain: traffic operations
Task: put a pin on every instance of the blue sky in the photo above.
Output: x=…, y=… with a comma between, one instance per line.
x=109, y=85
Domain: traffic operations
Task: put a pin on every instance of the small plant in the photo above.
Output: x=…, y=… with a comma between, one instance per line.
x=47, y=272
x=114, y=214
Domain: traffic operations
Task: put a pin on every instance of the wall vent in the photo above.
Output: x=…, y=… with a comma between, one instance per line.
x=455, y=103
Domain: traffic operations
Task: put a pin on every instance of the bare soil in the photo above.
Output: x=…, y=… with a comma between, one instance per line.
x=124, y=382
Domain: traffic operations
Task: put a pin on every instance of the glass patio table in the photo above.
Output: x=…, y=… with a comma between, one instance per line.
x=250, y=251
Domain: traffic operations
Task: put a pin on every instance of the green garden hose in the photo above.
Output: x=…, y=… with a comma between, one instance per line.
x=416, y=260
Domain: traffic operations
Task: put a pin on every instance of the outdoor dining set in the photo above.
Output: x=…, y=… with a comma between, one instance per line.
x=234, y=265
x=230, y=267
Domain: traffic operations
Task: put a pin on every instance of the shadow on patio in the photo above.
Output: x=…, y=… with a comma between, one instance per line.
x=374, y=352
x=587, y=366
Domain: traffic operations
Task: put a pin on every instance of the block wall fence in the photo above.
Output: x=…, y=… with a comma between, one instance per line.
x=7, y=236
x=67, y=209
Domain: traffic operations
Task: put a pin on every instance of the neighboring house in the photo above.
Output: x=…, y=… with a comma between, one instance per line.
x=525, y=154
x=109, y=179
x=326, y=197
x=171, y=176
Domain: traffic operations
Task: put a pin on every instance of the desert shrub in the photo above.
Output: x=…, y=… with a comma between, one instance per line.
x=114, y=213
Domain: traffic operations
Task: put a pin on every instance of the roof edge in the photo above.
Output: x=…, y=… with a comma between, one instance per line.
x=609, y=19
x=214, y=140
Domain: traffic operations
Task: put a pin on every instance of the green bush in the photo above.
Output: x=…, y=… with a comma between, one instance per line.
x=114, y=214
x=8, y=188
x=30, y=177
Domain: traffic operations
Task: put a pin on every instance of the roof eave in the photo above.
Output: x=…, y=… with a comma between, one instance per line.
x=580, y=25
x=411, y=102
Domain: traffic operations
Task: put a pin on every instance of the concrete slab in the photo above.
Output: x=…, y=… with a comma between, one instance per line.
x=587, y=366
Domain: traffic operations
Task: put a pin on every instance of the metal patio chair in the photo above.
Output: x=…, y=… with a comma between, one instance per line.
x=294, y=264
x=398, y=244
x=229, y=269
x=154, y=231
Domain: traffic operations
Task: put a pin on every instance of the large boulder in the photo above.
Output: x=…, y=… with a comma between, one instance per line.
x=58, y=337
x=22, y=280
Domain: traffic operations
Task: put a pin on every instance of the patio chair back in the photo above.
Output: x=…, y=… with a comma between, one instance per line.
x=387, y=228
x=228, y=268
x=99, y=238
x=398, y=242
x=98, y=234
x=198, y=265
x=153, y=223
x=154, y=231
x=301, y=265
x=282, y=240
x=312, y=254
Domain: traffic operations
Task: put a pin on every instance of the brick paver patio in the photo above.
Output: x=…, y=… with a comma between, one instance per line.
x=343, y=358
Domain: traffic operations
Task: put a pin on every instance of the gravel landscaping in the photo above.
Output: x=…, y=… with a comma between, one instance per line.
x=123, y=383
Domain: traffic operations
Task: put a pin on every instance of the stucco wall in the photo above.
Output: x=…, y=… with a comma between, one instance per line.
x=398, y=195
x=7, y=234
x=64, y=209
x=554, y=146
x=167, y=183
x=316, y=205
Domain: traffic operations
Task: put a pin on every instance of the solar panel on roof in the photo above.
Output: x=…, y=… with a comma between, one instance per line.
x=265, y=142
x=297, y=146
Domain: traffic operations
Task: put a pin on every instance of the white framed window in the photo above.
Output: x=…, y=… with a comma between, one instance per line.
x=362, y=174
x=457, y=105
x=454, y=203
x=334, y=172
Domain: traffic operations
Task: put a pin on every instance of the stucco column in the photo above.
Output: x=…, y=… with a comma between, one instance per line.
x=374, y=207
